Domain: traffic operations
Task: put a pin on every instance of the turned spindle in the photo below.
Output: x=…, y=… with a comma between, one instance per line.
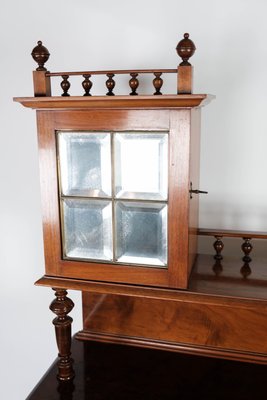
x=245, y=270
x=110, y=84
x=218, y=247
x=217, y=267
x=65, y=85
x=40, y=54
x=61, y=306
x=87, y=84
x=134, y=83
x=247, y=248
x=185, y=49
x=157, y=83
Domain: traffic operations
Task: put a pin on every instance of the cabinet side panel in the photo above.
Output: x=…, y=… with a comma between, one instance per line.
x=49, y=190
x=194, y=165
x=179, y=197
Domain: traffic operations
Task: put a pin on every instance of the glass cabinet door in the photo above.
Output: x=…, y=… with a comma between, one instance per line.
x=114, y=196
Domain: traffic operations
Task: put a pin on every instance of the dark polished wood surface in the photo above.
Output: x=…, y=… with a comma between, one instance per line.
x=226, y=277
x=107, y=372
x=228, y=283
x=223, y=314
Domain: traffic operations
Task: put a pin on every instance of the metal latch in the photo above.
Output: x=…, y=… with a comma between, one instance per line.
x=195, y=191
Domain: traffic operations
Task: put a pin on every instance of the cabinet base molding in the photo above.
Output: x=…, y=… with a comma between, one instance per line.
x=183, y=348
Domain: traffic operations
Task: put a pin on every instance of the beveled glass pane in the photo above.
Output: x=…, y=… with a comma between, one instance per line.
x=85, y=164
x=141, y=165
x=141, y=233
x=87, y=229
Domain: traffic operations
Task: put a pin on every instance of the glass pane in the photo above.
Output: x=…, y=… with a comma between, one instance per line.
x=141, y=233
x=87, y=229
x=85, y=164
x=141, y=165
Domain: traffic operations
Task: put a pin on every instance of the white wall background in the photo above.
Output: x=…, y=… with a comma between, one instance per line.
x=230, y=62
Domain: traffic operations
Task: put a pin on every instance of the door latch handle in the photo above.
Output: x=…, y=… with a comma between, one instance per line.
x=196, y=191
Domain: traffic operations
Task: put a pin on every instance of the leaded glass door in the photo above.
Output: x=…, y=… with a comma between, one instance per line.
x=114, y=196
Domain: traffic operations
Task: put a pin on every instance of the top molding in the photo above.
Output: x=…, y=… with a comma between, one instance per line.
x=116, y=102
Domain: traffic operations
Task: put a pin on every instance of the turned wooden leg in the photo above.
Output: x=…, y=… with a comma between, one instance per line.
x=61, y=306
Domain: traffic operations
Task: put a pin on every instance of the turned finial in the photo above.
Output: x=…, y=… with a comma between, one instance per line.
x=40, y=54
x=185, y=49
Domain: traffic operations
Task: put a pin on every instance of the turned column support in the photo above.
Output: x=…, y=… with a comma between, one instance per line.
x=61, y=306
x=185, y=49
x=41, y=82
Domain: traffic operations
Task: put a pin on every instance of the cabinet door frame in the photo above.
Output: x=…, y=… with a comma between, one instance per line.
x=177, y=123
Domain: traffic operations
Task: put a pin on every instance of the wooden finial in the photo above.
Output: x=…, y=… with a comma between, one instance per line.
x=40, y=54
x=185, y=49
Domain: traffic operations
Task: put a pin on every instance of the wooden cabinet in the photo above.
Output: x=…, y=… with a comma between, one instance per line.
x=119, y=180
x=115, y=192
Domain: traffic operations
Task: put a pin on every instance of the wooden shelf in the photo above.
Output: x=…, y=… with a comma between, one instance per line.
x=204, y=281
x=105, y=371
x=225, y=278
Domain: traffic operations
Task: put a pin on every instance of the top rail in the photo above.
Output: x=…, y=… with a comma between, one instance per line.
x=246, y=246
x=42, y=77
x=232, y=233
x=114, y=72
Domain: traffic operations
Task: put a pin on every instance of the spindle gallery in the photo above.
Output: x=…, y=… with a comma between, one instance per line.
x=120, y=196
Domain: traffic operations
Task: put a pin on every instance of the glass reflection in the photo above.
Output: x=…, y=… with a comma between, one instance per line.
x=87, y=229
x=141, y=165
x=114, y=189
x=85, y=164
x=141, y=233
